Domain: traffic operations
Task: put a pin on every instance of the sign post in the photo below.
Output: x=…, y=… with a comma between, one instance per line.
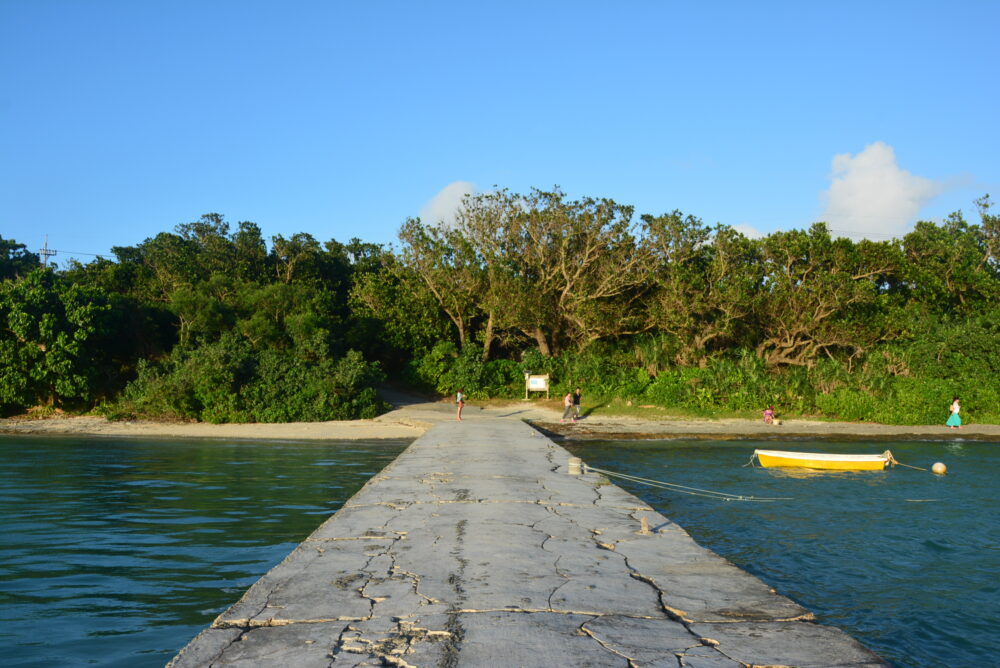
x=536, y=383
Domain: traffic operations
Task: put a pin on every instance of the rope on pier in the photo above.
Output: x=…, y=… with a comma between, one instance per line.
x=684, y=489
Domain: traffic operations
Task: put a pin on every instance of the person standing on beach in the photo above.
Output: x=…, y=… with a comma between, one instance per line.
x=576, y=404
x=954, y=421
x=460, y=400
x=568, y=407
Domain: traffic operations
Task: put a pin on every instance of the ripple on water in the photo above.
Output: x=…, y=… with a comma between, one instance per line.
x=120, y=573
x=906, y=561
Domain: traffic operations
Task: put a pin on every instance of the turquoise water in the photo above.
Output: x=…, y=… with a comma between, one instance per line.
x=905, y=561
x=118, y=552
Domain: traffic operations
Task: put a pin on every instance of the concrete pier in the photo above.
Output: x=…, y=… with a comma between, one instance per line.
x=477, y=548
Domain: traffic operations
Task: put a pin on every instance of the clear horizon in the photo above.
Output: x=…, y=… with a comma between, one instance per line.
x=121, y=120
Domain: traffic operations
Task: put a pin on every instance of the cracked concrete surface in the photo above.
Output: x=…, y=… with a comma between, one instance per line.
x=476, y=548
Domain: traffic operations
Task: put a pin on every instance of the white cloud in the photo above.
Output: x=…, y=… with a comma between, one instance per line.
x=749, y=231
x=870, y=196
x=445, y=205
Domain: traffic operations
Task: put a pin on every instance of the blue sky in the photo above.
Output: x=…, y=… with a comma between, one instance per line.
x=122, y=119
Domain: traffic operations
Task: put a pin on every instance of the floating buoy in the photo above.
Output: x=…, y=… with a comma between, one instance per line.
x=939, y=468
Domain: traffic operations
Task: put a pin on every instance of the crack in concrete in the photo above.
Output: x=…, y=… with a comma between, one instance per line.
x=555, y=564
x=395, y=505
x=344, y=582
x=556, y=611
x=682, y=617
x=709, y=643
x=453, y=647
x=257, y=624
x=335, y=650
x=566, y=581
x=232, y=642
x=715, y=646
x=415, y=580
x=671, y=613
x=320, y=541
x=712, y=646
x=674, y=614
x=519, y=502
x=249, y=624
x=372, y=578
x=583, y=630
x=391, y=648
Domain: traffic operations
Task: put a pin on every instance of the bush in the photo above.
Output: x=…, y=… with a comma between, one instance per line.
x=847, y=403
x=229, y=381
x=604, y=370
x=915, y=401
x=445, y=370
x=425, y=372
x=286, y=389
x=879, y=388
x=667, y=389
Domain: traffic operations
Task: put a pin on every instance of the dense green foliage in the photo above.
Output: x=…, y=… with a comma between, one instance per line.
x=203, y=323
x=196, y=324
x=665, y=310
x=230, y=381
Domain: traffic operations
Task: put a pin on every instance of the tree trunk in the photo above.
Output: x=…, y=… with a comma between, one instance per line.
x=543, y=344
x=488, y=338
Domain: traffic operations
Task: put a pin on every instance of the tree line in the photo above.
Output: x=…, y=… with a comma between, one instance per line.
x=211, y=323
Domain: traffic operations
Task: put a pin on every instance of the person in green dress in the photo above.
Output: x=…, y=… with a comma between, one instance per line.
x=954, y=420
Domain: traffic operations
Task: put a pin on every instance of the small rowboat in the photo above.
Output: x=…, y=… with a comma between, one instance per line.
x=819, y=460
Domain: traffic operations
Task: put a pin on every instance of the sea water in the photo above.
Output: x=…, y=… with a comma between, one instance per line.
x=117, y=552
x=905, y=561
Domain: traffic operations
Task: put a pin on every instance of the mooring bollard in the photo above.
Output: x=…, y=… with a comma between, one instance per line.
x=574, y=466
x=644, y=526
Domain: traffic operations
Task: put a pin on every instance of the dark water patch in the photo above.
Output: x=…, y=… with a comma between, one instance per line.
x=904, y=560
x=117, y=552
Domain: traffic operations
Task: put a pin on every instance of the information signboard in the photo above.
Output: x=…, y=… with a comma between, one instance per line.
x=536, y=383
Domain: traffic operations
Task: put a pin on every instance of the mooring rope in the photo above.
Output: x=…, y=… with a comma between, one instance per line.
x=684, y=489
x=895, y=462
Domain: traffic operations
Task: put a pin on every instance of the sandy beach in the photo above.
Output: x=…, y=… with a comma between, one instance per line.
x=411, y=417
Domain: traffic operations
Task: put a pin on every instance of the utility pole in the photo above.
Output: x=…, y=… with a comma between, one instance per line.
x=45, y=253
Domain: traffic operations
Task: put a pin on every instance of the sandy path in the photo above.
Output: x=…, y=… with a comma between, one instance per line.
x=412, y=417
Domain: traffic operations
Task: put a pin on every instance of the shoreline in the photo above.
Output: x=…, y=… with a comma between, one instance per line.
x=412, y=417
x=618, y=428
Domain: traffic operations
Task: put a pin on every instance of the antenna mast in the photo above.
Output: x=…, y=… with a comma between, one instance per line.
x=46, y=253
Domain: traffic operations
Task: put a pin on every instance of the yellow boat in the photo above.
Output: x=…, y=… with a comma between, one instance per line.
x=819, y=460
